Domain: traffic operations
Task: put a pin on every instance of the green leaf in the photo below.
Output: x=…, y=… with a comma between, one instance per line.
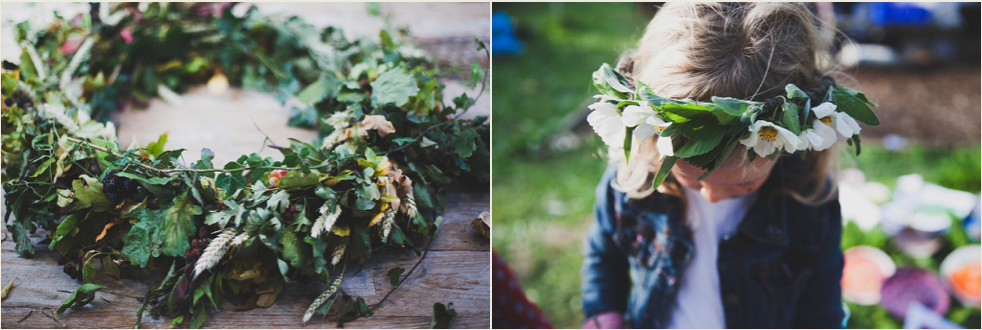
x=139, y=244
x=794, y=92
x=732, y=107
x=325, y=86
x=464, y=145
x=279, y=202
x=298, y=180
x=81, y=297
x=394, y=86
x=64, y=228
x=294, y=250
x=855, y=107
x=156, y=148
x=384, y=38
x=699, y=147
x=666, y=167
x=88, y=192
x=198, y=318
x=174, y=225
x=628, y=140
x=394, y=275
x=109, y=267
x=790, y=118
x=442, y=316
x=88, y=271
x=611, y=82
x=859, y=95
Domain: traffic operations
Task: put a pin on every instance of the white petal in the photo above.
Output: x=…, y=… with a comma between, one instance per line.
x=606, y=123
x=664, y=146
x=751, y=140
x=765, y=148
x=644, y=131
x=655, y=121
x=826, y=133
x=846, y=126
x=635, y=115
x=791, y=141
x=824, y=109
x=604, y=107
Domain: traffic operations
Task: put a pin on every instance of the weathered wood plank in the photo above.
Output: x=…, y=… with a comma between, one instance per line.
x=457, y=270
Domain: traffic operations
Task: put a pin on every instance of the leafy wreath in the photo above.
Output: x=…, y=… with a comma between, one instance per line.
x=704, y=134
x=372, y=181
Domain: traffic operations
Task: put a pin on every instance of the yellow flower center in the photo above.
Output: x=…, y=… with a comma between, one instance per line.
x=827, y=120
x=767, y=133
x=659, y=129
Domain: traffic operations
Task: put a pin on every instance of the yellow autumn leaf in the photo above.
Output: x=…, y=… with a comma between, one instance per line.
x=6, y=289
x=104, y=229
x=341, y=230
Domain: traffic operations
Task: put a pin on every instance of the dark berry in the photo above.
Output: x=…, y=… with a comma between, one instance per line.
x=203, y=231
x=8, y=102
x=70, y=269
x=106, y=31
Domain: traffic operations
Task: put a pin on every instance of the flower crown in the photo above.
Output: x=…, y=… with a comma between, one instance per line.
x=708, y=131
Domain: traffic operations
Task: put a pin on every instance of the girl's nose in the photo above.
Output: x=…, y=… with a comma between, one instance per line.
x=712, y=195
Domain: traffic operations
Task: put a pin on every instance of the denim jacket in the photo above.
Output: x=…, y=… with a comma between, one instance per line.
x=780, y=269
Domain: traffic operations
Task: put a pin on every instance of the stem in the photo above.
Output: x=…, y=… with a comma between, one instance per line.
x=410, y=272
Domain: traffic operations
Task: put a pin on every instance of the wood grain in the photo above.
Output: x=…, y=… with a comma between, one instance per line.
x=456, y=270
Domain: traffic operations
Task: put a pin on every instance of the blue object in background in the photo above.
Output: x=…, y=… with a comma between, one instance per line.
x=503, y=39
x=898, y=13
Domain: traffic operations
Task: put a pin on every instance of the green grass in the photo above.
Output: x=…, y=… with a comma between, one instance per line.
x=543, y=200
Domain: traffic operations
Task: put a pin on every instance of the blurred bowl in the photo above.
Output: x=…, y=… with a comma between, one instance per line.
x=909, y=285
x=961, y=270
x=865, y=270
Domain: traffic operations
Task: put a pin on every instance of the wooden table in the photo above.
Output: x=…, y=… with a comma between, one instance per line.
x=457, y=269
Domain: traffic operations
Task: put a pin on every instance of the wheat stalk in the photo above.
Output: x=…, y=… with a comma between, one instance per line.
x=339, y=251
x=238, y=240
x=323, y=297
x=324, y=222
x=387, y=223
x=214, y=252
x=409, y=205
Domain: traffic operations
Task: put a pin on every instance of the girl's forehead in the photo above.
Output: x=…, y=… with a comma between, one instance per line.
x=748, y=173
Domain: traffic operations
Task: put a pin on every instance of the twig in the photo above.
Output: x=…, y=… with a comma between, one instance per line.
x=404, y=278
x=49, y=316
x=106, y=300
x=26, y=316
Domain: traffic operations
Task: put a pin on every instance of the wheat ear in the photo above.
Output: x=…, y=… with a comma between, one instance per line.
x=214, y=252
x=323, y=297
x=387, y=223
x=409, y=205
x=324, y=222
x=339, y=252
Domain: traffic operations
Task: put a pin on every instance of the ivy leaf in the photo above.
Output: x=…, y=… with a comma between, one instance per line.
x=138, y=248
x=465, y=146
x=442, y=316
x=394, y=86
x=64, y=228
x=279, y=202
x=88, y=271
x=394, y=274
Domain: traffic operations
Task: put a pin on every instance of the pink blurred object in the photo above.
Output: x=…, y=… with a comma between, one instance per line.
x=70, y=46
x=127, y=34
x=909, y=285
x=605, y=320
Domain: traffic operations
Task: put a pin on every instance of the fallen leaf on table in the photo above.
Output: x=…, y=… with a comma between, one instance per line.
x=442, y=315
x=6, y=289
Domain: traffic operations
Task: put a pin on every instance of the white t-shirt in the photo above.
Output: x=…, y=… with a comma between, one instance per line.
x=699, y=305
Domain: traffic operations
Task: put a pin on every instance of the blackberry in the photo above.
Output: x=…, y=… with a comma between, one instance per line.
x=71, y=270
x=129, y=185
x=114, y=198
x=8, y=102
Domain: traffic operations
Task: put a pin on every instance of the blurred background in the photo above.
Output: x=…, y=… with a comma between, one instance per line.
x=910, y=201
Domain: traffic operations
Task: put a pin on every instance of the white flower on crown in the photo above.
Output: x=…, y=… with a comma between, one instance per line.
x=646, y=123
x=765, y=138
x=606, y=122
x=844, y=124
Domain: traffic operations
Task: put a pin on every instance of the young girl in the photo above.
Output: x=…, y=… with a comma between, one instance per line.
x=755, y=243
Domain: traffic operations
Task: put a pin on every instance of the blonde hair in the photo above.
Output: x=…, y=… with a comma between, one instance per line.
x=741, y=50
